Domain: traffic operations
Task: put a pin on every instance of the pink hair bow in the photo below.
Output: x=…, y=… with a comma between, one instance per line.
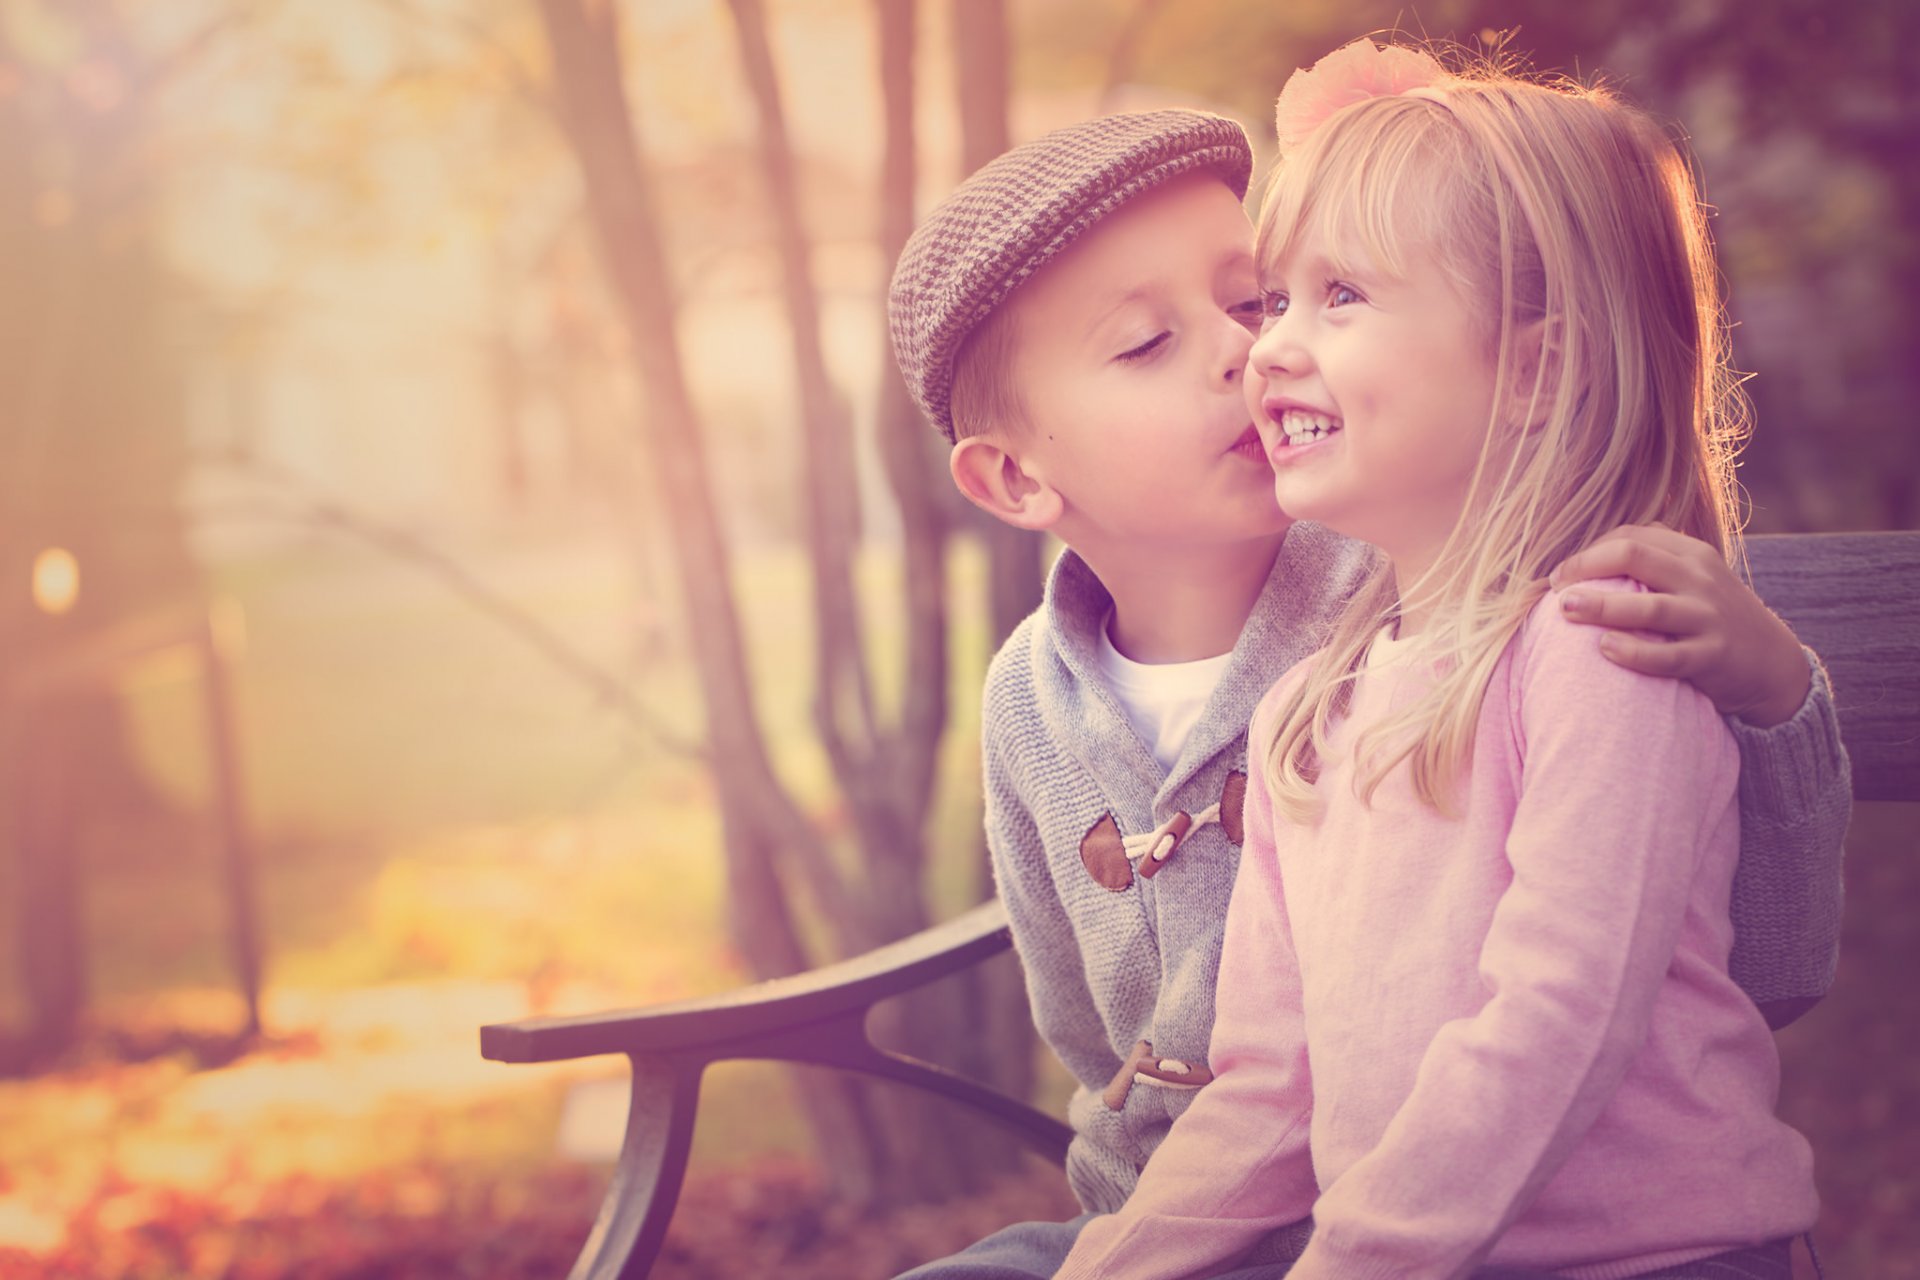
x=1352, y=73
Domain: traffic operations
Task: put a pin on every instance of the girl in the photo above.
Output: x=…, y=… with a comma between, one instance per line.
x=1473, y=1005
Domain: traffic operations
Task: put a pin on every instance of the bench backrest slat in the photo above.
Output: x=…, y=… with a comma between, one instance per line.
x=1854, y=598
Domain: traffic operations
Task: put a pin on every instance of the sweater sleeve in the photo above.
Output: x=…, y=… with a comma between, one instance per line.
x=1625, y=780
x=1235, y=1166
x=1796, y=795
x=1063, y=1007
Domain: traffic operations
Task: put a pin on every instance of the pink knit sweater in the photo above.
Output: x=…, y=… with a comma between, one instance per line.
x=1524, y=1045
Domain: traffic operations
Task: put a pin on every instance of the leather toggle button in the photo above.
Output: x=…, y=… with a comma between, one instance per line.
x=1143, y=1066
x=1164, y=842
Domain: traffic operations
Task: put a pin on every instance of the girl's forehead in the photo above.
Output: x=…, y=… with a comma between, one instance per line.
x=1377, y=230
x=1311, y=251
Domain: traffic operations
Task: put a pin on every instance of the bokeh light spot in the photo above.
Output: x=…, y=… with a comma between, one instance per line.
x=56, y=580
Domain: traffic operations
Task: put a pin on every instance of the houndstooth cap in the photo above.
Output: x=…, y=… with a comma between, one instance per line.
x=1003, y=223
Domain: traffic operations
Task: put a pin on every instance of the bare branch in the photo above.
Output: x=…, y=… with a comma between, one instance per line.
x=607, y=688
x=162, y=70
x=525, y=81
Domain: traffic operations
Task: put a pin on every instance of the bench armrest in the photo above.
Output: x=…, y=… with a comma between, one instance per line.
x=726, y=1024
x=817, y=1017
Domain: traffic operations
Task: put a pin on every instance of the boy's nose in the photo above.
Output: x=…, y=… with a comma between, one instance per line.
x=1239, y=344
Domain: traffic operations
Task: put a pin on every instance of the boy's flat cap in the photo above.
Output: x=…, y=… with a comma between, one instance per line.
x=1003, y=223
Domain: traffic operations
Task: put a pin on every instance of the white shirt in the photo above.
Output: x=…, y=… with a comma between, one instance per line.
x=1162, y=700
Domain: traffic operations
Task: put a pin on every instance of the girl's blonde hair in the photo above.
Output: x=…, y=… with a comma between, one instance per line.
x=1571, y=226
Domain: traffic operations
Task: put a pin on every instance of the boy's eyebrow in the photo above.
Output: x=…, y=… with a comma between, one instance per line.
x=1238, y=258
x=1139, y=293
x=1142, y=292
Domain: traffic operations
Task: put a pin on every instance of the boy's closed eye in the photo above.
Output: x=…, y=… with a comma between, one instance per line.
x=1247, y=313
x=1145, y=349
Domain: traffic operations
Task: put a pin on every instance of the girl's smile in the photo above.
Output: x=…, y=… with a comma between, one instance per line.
x=1302, y=429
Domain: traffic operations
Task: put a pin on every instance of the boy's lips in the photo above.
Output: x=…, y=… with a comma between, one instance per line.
x=1249, y=445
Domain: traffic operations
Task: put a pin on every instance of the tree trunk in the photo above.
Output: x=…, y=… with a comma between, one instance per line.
x=886, y=772
x=998, y=996
x=843, y=710
x=92, y=451
x=762, y=827
x=47, y=884
x=949, y=1023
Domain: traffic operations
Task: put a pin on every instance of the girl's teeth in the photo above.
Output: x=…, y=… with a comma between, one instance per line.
x=1303, y=426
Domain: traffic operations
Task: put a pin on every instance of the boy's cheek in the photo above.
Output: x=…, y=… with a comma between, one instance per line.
x=1255, y=389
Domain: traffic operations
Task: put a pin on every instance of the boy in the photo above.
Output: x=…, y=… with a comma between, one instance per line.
x=1075, y=318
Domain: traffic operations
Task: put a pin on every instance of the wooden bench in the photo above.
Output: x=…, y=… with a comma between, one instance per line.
x=1855, y=598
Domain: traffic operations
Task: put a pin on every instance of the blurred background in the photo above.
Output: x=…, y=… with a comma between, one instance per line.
x=465, y=553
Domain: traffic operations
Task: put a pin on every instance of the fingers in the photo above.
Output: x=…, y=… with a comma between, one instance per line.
x=1660, y=557
x=1679, y=659
x=1679, y=616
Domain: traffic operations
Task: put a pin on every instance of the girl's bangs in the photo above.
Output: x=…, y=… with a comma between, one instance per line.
x=1363, y=188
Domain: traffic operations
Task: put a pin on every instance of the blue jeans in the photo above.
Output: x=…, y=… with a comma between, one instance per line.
x=1024, y=1251
x=1035, y=1250
x=1770, y=1261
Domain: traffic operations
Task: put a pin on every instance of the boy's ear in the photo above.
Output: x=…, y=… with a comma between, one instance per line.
x=993, y=479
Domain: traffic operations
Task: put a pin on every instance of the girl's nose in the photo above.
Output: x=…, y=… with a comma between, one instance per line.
x=1277, y=350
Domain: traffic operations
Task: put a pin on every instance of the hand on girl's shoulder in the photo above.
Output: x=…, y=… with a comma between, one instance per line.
x=1559, y=656
x=1554, y=621
x=1566, y=603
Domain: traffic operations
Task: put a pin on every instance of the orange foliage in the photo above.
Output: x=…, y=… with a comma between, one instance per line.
x=421, y=1223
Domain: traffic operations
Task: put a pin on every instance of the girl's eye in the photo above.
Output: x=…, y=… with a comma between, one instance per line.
x=1273, y=303
x=1341, y=295
x=1145, y=349
x=1249, y=312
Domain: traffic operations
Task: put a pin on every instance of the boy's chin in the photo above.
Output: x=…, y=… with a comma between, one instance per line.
x=1274, y=518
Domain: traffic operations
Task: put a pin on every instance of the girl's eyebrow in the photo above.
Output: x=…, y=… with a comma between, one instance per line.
x=1320, y=265
x=1277, y=269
